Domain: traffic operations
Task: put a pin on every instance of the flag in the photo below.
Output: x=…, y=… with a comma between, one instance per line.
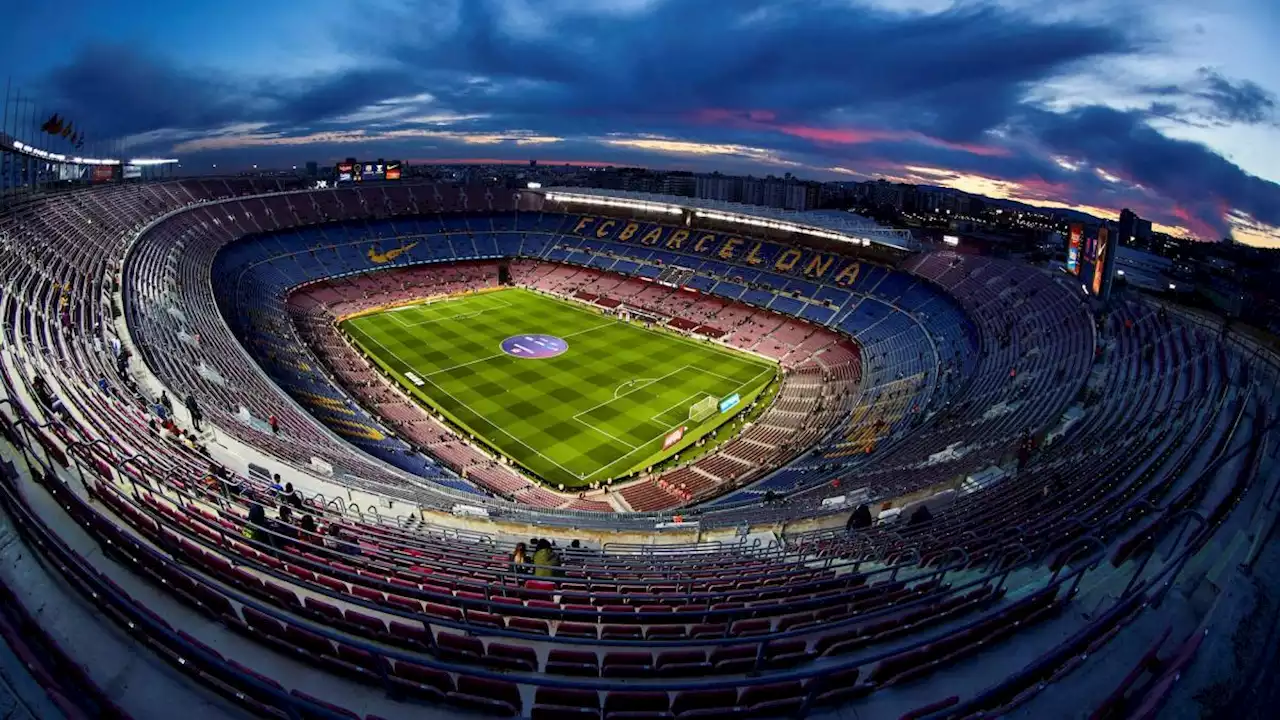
x=53, y=125
x=67, y=131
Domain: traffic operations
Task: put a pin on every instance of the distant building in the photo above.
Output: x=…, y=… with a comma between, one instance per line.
x=718, y=187
x=1133, y=229
x=313, y=169
x=681, y=183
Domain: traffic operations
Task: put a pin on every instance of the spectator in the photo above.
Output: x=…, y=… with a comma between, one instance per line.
x=42, y=391
x=284, y=525
x=292, y=497
x=921, y=515
x=860, y=519
x=274, y=422
x=307, y=526
x=519, y=564
x=337, y=543
x=255, y=528
x=545, y=560
x=194, y=409
x=166, y=403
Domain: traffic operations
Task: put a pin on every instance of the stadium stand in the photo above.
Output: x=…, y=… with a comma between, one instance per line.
x=1049, y=448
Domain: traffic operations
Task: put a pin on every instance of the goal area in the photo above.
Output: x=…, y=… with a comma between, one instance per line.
x=703, y=409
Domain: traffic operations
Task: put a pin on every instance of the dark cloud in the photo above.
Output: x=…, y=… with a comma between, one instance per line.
x=1238, y=101
x=953, y=74
x=1213, y=99
x=815, y=82
x=329, y=96
x=1202, y=184
x=118, y=90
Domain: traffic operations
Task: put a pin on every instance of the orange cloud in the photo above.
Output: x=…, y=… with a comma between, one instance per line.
x=232, y=141
x=764, y=120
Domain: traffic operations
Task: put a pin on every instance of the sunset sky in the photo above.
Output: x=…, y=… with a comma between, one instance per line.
x=1167, y=107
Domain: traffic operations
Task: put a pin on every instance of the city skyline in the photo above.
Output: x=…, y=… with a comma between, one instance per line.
x=1164, y=108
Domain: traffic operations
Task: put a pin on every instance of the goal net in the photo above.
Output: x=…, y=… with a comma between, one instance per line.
x=703, y=409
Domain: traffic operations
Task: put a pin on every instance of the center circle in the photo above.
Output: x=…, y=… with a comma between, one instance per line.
x=535, y=347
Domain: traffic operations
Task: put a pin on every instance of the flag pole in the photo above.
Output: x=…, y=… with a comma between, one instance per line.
x=36, y=176
x=19, y=130
x=5, y=127
x=8, y=159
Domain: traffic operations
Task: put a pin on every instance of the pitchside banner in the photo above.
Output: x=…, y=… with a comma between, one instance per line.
x=730, y=402
x=673, y=437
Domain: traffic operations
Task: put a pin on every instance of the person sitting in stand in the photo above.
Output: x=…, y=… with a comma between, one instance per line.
x=255, y=528
x=307, y=529
x=519, y=560
x=545, y=560
x=336, y=543
x=284, y=526
x=292, y=497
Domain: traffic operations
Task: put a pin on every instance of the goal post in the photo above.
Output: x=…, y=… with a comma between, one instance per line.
x=703, y=409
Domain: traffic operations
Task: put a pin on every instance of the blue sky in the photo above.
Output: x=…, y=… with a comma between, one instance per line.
x=1168, y=107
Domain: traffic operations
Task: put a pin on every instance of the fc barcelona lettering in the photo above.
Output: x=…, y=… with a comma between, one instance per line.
x=773, y=257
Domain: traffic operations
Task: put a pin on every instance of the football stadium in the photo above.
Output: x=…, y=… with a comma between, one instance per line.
x=406, y=448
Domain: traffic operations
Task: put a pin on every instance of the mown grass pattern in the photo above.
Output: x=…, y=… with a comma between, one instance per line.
x=597, y=411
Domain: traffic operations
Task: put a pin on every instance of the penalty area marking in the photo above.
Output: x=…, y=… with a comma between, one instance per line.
x=664, y=432
x=457, y=316
x=616, y=396
x=629, y=383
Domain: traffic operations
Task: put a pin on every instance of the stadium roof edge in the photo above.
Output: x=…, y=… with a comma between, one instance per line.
x=840, y=226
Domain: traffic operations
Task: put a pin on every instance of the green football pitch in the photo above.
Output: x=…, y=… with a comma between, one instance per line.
x=572, y=395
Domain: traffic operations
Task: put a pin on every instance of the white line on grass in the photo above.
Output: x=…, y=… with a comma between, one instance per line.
x=460, y=316
x=632, y=390
x=716, y=374
x=505, y=354
x=683, y=403
x=664, y=432
x=606, y=433
x=630, y=382
x=492, y=424
x=771, y=367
